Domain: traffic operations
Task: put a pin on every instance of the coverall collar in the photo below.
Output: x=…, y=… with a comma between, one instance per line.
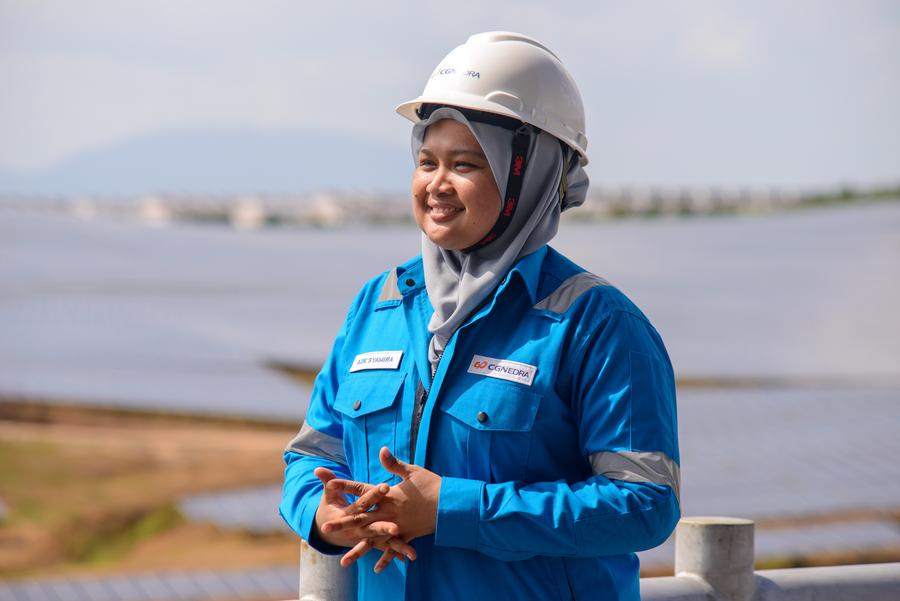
x=528, y=269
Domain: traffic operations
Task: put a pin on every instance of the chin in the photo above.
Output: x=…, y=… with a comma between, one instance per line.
x=448, y=236
x=446, y=242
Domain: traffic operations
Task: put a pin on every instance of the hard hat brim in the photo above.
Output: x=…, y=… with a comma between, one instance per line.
x=476, y=102
x=469, y=101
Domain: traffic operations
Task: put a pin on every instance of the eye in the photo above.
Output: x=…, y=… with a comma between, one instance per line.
x=466, y=166
x=426, y=162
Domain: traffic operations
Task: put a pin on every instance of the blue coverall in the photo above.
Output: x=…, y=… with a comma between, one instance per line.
x=551, y=419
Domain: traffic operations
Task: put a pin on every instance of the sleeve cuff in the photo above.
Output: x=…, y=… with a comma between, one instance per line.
x=458, y=513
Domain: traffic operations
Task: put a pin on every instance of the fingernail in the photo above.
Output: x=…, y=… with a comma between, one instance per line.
x=383, y=488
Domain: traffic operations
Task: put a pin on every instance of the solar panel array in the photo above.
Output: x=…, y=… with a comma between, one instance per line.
x=244, y=585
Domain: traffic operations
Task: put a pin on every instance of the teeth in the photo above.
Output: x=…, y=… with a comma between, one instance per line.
x=445, y=210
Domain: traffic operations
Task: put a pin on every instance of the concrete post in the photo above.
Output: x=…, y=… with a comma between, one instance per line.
x=322, y=578
x=719, y=551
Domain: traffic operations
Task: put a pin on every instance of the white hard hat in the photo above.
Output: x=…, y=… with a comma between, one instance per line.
x=508, y=74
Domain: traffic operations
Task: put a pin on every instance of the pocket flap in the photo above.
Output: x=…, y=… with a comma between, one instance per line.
x=492, y=405
x=363, y=392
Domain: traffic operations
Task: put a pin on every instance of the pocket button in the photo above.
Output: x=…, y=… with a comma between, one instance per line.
x=357, y=405
x=481, y=417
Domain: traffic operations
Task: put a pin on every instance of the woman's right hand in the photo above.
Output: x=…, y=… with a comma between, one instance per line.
x=333, y=505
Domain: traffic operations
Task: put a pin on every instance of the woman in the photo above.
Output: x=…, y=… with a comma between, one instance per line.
x=499, y=415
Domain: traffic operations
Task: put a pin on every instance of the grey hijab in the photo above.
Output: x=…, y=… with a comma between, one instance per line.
x=457, y=282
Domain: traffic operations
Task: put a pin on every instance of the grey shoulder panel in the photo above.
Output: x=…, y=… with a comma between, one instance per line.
x=310, y=441
x=569, y=291
x=390, y=291
x=637, y=466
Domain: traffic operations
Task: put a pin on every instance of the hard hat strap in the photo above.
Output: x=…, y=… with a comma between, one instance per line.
x=517, y=165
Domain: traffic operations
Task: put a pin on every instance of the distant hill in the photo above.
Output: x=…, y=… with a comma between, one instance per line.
x=223, y=162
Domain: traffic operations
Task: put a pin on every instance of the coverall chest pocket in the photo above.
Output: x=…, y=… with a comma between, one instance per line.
x=368, y=403
x=497, y=418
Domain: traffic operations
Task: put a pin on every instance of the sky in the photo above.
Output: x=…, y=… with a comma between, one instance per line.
x=274, y=96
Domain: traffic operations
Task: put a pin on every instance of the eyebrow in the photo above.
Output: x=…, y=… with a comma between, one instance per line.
x=456, y=152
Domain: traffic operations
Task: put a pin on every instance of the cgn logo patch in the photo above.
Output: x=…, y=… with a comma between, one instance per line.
x=503, y=369
x=377, y=360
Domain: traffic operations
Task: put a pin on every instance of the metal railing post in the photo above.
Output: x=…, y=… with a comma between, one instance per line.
x=322, y=578
x=719, y=551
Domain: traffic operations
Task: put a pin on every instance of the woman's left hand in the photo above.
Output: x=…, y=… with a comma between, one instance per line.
x=411, y=505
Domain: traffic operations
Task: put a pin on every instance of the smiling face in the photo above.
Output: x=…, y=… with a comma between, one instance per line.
x=455, y=197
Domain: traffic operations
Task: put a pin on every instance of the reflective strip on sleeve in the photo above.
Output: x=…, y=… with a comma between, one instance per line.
x=310, y=441
x=568, y=292
x=390, y=291
x=635, y=466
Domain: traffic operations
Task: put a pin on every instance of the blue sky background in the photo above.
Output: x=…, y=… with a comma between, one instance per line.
x=119, y=97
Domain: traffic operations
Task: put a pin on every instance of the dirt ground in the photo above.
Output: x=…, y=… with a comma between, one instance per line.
x=96, y=491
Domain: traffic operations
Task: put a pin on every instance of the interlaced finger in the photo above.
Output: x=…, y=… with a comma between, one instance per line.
x=332, y=497
x=401, y=547
x=352, y=487
x=393, y=548
x=380, y=528
x=369, y=499
x=324, y=474
x=387, y=556
x=356, y=520
x=358, y=550
x=336, y=498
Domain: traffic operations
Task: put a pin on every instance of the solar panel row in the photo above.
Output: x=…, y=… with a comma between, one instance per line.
x=243, y=585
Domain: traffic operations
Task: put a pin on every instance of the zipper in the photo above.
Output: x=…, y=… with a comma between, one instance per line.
x=419, y=410
x=422, y=394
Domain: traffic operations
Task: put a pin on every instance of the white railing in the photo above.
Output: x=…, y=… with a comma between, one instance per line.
x=713, y=562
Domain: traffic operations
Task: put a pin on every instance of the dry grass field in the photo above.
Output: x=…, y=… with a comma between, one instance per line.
x=93, y=491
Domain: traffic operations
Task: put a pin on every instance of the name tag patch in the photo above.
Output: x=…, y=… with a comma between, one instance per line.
x=503, y=369
x=377, y=360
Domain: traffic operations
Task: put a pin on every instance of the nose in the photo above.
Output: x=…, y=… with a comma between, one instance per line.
x=439, y=184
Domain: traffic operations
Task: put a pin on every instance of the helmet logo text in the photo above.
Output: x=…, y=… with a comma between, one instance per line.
x=452, y=71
